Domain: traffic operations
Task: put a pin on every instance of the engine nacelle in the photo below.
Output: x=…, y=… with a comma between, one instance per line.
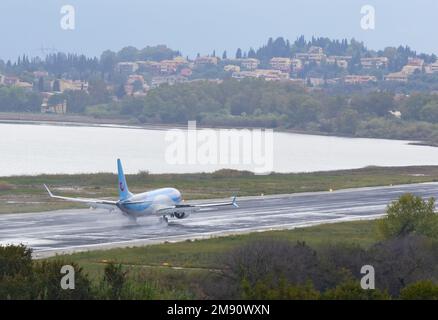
x=181, y=215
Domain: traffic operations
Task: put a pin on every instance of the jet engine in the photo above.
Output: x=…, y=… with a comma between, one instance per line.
x=182, y=215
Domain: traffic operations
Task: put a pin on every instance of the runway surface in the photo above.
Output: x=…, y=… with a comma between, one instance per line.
x=68, y=231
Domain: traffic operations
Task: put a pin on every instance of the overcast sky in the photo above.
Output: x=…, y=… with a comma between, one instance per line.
x=202, y=25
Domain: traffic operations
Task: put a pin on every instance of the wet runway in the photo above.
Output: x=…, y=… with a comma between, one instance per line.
x=67, y=231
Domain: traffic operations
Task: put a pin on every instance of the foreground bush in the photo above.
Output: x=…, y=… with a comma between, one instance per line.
x=410, y=215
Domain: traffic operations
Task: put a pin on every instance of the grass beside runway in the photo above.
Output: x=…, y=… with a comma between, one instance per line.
x=176, y=270
x=192, y=258
x=26, y=193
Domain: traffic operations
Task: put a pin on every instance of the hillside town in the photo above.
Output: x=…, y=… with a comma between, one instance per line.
x=137, y=77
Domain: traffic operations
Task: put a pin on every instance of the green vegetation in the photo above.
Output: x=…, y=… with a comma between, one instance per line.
x=335, y=109
x=205, y=254
x=19, y=100
x=410, y=215
x=258, y=103
x=322, y=264
x=306, y=263
x=26, y=193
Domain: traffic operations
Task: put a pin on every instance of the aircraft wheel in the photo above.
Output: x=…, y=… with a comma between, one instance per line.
x=164, y=219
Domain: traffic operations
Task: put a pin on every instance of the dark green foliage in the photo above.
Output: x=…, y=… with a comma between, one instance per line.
x=410, y=214
x=422, y=290
x=351, y=290
x=22, y=278
x=19, y=100
x=115, y=279
x=47, y=278
x=274, y=269
x=15, y=260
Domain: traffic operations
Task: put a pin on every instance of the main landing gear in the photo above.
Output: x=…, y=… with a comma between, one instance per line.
x=164, y=219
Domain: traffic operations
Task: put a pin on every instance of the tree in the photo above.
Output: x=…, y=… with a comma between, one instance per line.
x=108, y=60
x=57, y=85
x=48, y=278
x=351, y=290
x=15, y=259
x=137, y=86
x=239, y=54
x=77, y=101
x=263, y=290
x=41, y=84
x=98, y=91
x=224, y=55
x=252, y=53
x=56, y=99
x=120, y=92
x=410, y=214
x=115, y=278
x=348, y=122
x=421, y=290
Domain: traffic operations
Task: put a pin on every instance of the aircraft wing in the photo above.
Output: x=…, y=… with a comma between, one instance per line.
x=193, y=207
x=94, y=203
x=220, y=204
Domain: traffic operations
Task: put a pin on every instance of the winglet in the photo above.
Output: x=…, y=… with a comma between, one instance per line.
x=234, y=203
x=48, y=190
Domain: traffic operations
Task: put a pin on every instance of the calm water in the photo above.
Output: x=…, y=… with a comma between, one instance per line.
x=34, y=149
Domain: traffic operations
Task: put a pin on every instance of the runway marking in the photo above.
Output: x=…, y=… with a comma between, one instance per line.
x=68, y=231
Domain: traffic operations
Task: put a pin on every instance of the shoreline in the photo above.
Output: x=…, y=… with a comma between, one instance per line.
x=128, y=123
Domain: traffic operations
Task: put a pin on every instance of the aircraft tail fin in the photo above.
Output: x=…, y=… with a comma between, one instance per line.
x=124, y=193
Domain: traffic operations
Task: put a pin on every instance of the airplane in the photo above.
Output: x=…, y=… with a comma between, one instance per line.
x=163, y=203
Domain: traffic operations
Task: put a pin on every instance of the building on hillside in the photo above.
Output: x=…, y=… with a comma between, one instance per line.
x=280, y=63
x=272, y=75
x=296, y=65
x=127, y=67
x=72, y=85
x=148, y=66
x=134, y=78
x=60, y=108
x=244, y=74
x=397, y=76
x=409, y=69
x=311, y=57
x=397, y=114
x=341, y=63
x=266, y=74
x=333, y=81
x=10, y=81
x=431, y=68
x=249, y=63
x=417, y=62
x=298, y=82
x=169, y=80
x=136, y=85
x=25, y=85
x=374, y=63
x=186, y=72
x=40, y=74
x=231, y=68
x=315, y=82
x=202, y=61
x=169, y=67
x=359, y=79
x=315, y=50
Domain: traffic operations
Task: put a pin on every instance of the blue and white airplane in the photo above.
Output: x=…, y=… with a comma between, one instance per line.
x=163, y=203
